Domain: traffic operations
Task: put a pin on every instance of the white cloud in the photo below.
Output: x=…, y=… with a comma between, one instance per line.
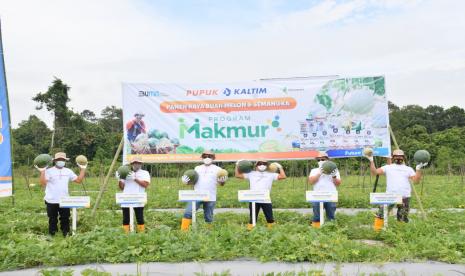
x=95, y=45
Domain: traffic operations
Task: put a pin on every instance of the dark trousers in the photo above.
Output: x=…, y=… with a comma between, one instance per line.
x=267, y=210
x=402, y=210
x=139, y=211
x=53, y=210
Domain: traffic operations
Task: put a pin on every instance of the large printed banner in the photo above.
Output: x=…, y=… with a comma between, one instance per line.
x=272, y=119
x=6, y=186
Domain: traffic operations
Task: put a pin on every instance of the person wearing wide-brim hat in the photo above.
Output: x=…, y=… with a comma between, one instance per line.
x=261, y=179
x=398, y=177
x=136, y=182
x=56, y=180
x=323, y=182
x=207, y=181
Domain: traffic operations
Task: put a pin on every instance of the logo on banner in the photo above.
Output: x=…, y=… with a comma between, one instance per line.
x=202, y=92
x=150, y=93
x=245, y=91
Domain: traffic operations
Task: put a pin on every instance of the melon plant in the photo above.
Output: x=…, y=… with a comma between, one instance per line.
x=81, y=160
x=43, y=160
x=328, y=167
x=245, y=166
x=422, y=156
x=123, y=171
x=193, y=176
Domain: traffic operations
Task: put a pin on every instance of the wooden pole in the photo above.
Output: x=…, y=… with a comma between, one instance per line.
x=411, y=184
x=107, y=177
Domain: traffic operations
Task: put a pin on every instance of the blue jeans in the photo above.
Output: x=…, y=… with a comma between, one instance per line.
x=208, y=207
x=330, y=208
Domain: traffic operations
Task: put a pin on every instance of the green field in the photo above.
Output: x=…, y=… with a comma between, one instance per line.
x=24, y=243
x=434, y=191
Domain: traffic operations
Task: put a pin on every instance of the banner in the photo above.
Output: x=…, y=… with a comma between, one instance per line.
x=6, y=185
x=273, y=119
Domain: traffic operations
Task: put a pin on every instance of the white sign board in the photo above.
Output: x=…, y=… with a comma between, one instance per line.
x=191, y=195
x=75, y=202
x=251, y=195
x=322, y=196
x=131, y=200
x=385, y=198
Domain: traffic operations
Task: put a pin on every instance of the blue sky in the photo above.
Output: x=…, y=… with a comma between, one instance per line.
x=95, y=45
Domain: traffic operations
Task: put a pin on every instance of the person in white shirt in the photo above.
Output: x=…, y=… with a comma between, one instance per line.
x=208, y=181
x=324, y=182
x=136, y=182
x=56, y=180
x=398, y=177
x=261, y=180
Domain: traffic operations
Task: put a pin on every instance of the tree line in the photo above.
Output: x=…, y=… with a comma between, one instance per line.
x=439, y=130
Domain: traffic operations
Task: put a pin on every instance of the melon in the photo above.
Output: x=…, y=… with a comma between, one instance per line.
x=123, y=171
x=245, y=166
x=359, y=101
x=273, y=167
x=368, y=152
x=193, y=176
x=43, y=160
x=81, y=160
x=222, y=173
x=328, y=167
x=422, y=156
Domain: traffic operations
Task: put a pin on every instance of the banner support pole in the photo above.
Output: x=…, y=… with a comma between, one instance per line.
x=107, y=177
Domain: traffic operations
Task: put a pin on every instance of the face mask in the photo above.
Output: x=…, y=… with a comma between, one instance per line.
x=136, y=167
x=398, y=161
x=320, y=163
x=261, y=168
x=207, y=161
x=60, y=164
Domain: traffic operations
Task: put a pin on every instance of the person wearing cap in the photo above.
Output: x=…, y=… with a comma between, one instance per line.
x=398, y=177
x=327, y=183
x=207, y=181
x=261, y=180
x=56, y=180
x=136, y=182
x=135, y=126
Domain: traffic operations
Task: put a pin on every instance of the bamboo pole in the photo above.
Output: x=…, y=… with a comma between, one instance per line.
x=107, y=177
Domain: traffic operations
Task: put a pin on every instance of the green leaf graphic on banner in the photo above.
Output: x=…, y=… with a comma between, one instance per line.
x=325, y=101
x=379, y=86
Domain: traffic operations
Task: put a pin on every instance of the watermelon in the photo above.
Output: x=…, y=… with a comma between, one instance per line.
x=175, y=141
x=43, y=160
x=245, y=166
x=273, y=167
x=328, y=167
x=164, y=135
x=81, y=160
x=222, y=172
x=154, y=133
x=368, y=152
x=153, y=142
x=422, y=156
x=123, y=171
x=193, y=176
